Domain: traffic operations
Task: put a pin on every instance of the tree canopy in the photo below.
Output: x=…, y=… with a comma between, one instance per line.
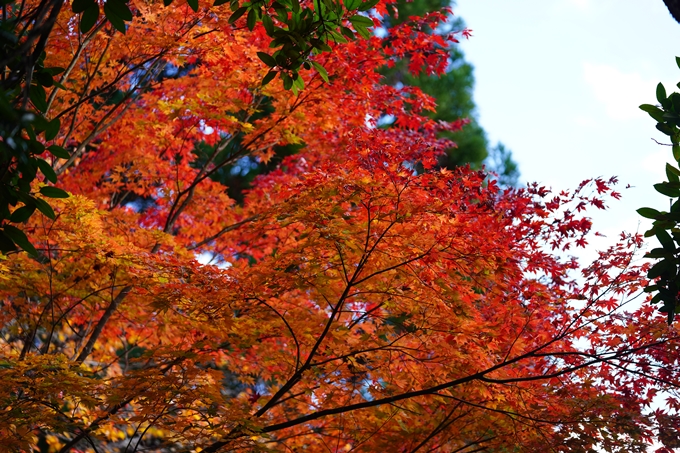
x=359, y=297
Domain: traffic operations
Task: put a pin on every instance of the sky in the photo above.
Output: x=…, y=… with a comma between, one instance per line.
x=559, y=83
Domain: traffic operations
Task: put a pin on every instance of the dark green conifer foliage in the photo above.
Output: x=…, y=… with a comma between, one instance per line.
x=453, y=92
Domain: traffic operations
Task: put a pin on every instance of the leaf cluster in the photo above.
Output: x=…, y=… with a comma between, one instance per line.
x=301, y=32
x=429, y=308
x=666, y=270
x=25, y=129
x=117, y=12
x=298, y=32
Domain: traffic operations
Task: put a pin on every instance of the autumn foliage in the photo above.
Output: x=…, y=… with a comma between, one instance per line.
x=363, y=299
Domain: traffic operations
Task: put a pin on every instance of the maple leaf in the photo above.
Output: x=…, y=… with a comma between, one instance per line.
x=346, y=282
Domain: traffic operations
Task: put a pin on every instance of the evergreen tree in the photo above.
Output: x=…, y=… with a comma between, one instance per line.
x=453, y=93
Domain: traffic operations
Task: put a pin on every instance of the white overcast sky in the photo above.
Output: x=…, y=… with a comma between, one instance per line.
x=559, y=82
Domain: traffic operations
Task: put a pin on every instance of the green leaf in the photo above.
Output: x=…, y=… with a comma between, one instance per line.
x=298, y=82
x=321, y=45
x=673, y=121
x=337, y=37
x=653, y=111
x=659, y=269
x=36, y=147
x=58, y=151
x=321, y=70
x=220, y=2
x=38, y=97
x=672, y=173
x=19, y=238
x=367, y=5
x=44, y=78
x=252, y=19
x=363, y=32
x=649, y=213
x=663, y=224
x=665, y=188
x=7, y=110
x=661, y=93
x=281, y=12
x=675, y=102
x=45, y=208
x=46, y=170
x=665, y=129
x=115, y=20
x=267, y=59
x=39, y=124
x=659, y=253
x=352, y=4
x=119, y=8
x=287, y=81
x=237, y=14
x=666, y=240
x=78, y=6
x=358, y=19
x=193, y=4
x=268, y=77
x=268, y=24
x=348, y=33
x=59, y=85
x=55, y=70
x=22, y=214
x=167, y=2
x=667, y=308
x=650, y=288
x=52, y=129
x=89, y=18
x=53, y=192
x=6, y=244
